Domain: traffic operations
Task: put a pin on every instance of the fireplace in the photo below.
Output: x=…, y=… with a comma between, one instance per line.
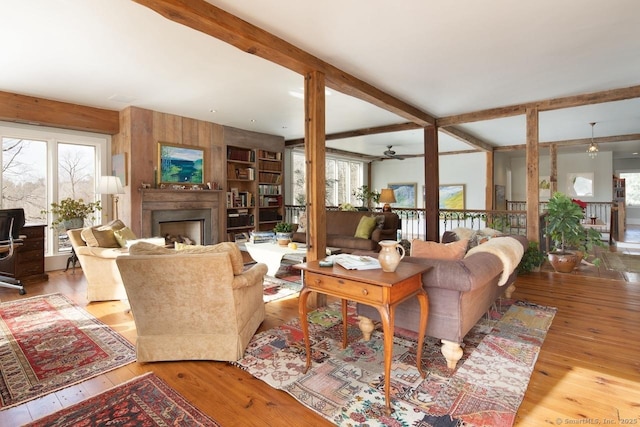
x=189, y=212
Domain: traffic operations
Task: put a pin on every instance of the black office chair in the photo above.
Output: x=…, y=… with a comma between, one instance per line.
x=11, y=221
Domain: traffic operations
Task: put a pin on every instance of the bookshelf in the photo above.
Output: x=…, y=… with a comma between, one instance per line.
x=254, y=197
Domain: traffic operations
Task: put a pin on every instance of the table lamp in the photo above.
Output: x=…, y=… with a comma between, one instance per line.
x=387, y=196
x=113, y=186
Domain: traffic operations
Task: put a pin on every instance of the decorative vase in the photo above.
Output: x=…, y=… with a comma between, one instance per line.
x=70, y=224
x=563, y=262
x=283, y=238
x=390, y=255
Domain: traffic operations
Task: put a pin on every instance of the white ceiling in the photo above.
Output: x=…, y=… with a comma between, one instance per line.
x=443, y=57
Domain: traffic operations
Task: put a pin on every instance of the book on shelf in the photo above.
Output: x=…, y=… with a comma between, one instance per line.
x=355, y=262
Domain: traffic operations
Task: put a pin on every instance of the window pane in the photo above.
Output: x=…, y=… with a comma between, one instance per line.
x=76, y=180
x=24, y=176
x=632, y=188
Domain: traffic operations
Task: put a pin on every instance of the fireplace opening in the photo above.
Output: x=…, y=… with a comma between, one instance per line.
x=190, y=232
x=196, y=224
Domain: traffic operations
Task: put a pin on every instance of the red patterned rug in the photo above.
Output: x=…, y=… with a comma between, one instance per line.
x=347, y=387
x=48, y=343
x=144, y=401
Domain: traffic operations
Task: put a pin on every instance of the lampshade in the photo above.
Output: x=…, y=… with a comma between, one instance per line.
x=387, y=196
x=110, y=185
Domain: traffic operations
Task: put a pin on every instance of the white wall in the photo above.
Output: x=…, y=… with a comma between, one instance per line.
x=601, y=167
x=467, y=169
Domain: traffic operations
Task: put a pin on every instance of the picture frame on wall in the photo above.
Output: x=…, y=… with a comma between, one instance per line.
x=451, y=196
x=405, y=194
x=180, y=164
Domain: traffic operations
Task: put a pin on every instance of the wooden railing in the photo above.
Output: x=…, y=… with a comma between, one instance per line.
x=510, y=221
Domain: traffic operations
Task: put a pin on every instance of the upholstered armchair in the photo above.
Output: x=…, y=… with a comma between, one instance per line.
x=192, y=304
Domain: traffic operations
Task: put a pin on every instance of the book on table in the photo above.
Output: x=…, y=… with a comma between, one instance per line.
x=355, y=262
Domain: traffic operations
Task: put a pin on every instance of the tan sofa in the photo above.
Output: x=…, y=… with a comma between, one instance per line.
x=192, y=304
x=342, y=225
x=460, y=293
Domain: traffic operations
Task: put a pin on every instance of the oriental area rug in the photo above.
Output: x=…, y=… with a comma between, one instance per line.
x=347, y=386
x=143, y=401
x=286, y=283
x=48, y=343
x=621, y=262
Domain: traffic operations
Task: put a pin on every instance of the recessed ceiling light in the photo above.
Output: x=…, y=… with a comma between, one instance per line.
x=253, y=120
x=635, y=154
x=212, y=110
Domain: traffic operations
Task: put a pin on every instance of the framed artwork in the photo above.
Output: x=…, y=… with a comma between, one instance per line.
x=180, y=164
x=451, y=196
x=119, y=167
x=544, y=186
x=580, y=184
x=405, y=194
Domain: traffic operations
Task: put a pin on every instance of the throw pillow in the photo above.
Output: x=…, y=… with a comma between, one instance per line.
x=123, y=235
x=237, y=263
x=433, y=250
x=102, y=236
x=379, y=221
x=365, y=227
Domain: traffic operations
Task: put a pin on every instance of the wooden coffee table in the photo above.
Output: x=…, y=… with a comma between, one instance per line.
x=381, y=290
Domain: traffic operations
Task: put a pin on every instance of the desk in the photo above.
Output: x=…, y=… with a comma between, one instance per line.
x=27, y=263
x=384, y=291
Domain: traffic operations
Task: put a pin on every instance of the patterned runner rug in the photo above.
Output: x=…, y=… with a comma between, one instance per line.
x=621, y=262
x=143, y=401
x=347, y=387
x=48, y=343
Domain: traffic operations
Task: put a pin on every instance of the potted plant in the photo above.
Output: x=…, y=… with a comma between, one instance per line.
x=569, y=239
x=70, y=213
x=532, y=259
x=366, y=196
x=283, y=231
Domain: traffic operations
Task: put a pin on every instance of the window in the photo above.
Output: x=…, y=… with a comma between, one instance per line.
x=40, y=165
x=342, y=177
x=632, y=188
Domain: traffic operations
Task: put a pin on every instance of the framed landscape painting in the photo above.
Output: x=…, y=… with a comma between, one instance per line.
x=451, y=196
x=180, y=164
x=405, y=194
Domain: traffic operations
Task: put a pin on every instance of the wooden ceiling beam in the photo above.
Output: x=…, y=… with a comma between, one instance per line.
x=211, y=20
x=469, y=139
x=359, y=132
x=44, y=112
x=544, y=105
x=573, y=142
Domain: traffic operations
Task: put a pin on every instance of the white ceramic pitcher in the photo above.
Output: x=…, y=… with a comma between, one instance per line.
x=390, y=255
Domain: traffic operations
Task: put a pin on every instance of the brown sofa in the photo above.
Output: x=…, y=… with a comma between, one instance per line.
x=342, y=225
x=460, y=293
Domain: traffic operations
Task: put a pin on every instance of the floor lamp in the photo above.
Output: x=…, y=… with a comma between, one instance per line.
x=113, y=186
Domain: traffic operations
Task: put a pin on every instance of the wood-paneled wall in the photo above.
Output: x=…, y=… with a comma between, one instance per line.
x=140, y=132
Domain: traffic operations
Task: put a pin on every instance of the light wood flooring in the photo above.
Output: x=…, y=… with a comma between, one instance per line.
x=589, y=366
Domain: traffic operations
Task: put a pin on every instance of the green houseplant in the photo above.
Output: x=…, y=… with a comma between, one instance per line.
x=366, y=196
x=283, y=231
x=70, y=213
x=569, y=238
x=532, y=259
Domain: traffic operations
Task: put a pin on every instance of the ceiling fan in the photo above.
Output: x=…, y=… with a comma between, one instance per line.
x=389, y=153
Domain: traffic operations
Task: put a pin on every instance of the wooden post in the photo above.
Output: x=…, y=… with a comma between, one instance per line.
x=553, y=168
x=431, y=184
x=315, y=166
x=532, y=159
x=489, y=193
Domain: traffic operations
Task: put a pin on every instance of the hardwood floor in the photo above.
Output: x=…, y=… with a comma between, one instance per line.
x=589, y=366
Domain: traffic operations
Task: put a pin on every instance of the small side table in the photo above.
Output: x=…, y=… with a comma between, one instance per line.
x=384, y=291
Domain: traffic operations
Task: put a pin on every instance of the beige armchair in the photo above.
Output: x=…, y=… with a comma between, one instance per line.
x=192, y=306
x=99, y=268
